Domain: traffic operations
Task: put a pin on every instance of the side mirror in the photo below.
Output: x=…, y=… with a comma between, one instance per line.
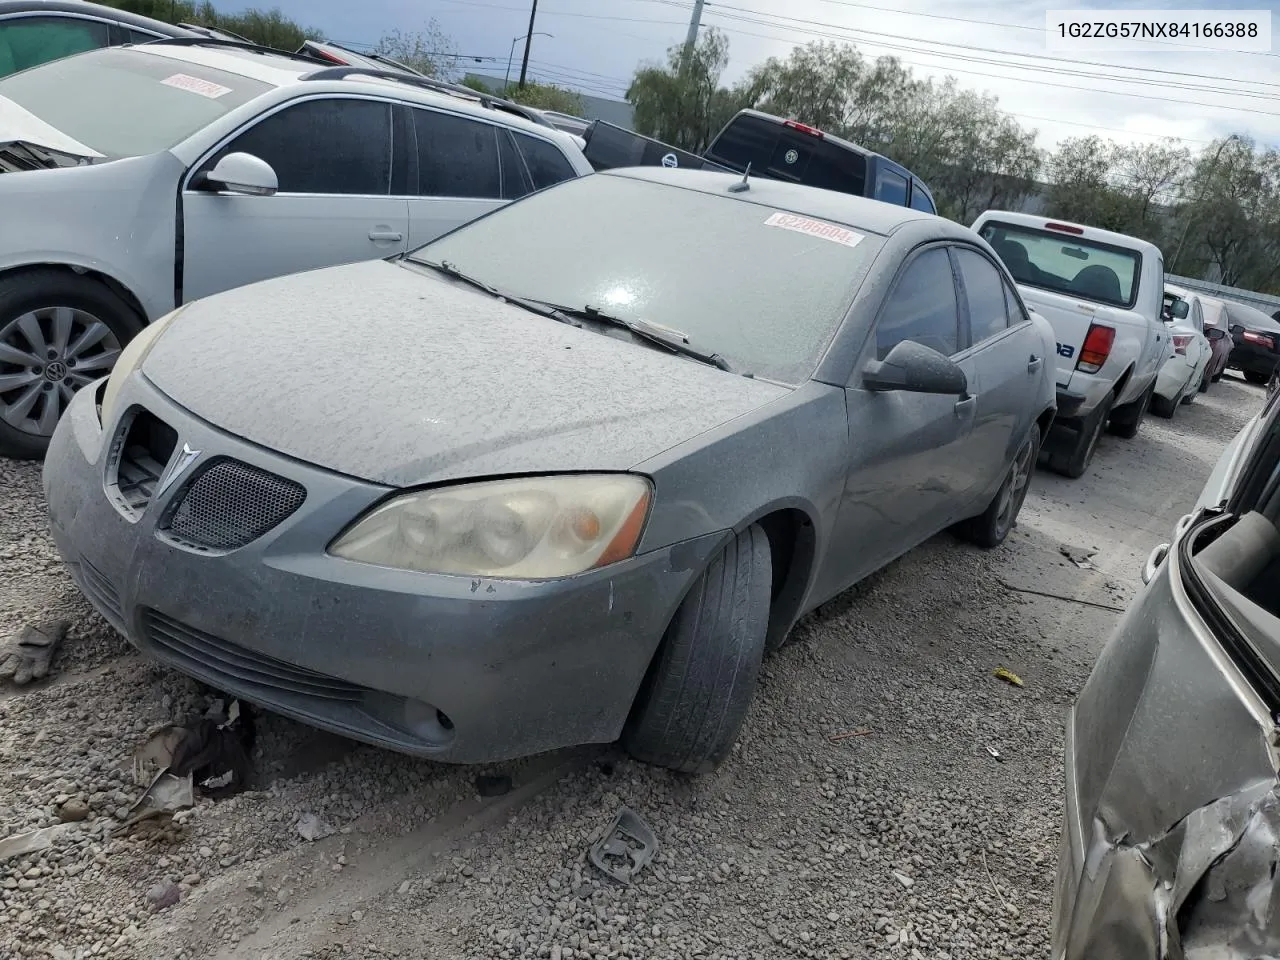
x=1215, y=333
x=242, y=173
x=915, y=368
x=1180, y=309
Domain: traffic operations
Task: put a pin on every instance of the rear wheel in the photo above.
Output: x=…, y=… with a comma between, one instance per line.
x=59, y=331
x=694, y=700
x=1074, y=460
x=1204, y=383
x=1253, y=376
x=1126, y=421
x=990, y=527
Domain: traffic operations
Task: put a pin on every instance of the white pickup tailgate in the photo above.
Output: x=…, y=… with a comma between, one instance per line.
x=1071, y=319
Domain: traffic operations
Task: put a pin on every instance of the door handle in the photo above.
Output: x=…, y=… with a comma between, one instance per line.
x=966, y=406
x=386, y=235
x=1034, y=363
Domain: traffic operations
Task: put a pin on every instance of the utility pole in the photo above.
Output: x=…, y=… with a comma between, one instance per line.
x=528, y=39
x=692, y=38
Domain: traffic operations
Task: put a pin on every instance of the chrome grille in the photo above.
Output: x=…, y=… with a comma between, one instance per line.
x=229, y=504
x=225, y=664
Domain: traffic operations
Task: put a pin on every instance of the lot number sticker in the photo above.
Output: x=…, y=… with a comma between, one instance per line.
x=814, y=228
x=204, y=88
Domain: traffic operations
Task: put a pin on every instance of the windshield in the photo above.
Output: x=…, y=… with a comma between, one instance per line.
x=125, y=102
x=764, y=289
x=1067, y=264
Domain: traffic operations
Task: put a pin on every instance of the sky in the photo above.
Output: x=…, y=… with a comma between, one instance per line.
x=995, y=46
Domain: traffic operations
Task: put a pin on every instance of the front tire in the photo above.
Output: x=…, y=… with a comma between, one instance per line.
x=1254, y=377
x=59, y=331
x=694, y=701
x=990, y=528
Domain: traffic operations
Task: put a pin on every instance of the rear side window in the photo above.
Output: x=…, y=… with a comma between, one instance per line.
x=547, y=165
x=892, y=188
x=984, y=292
x=515, y=178
x=457, y=157
x=922, y=307
x=333, y=146
x=30, y=41
x=920, y=200
x=139, y=36
x=774, y=150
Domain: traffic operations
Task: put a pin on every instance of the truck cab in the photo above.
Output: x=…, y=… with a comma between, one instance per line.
x=1103, y=293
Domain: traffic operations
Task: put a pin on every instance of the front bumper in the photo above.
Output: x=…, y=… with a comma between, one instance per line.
x=1168, y=838
x=453, y=668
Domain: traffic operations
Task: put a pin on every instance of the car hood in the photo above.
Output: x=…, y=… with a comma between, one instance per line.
x=382, y=372
x=17, y=124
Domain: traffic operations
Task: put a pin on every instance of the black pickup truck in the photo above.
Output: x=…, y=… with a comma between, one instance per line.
x=774, y=147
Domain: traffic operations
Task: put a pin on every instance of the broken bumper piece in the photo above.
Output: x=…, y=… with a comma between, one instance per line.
x=1171, y=839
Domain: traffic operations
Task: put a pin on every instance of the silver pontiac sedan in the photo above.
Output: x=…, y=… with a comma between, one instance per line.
x=1171, y=840
x=561, y=476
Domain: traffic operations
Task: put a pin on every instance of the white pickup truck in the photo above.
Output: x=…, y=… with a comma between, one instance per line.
x=1103, y=293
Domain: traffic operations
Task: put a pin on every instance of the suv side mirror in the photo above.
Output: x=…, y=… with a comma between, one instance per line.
x=915, y=368
x=1214, y=333
x=242, y=173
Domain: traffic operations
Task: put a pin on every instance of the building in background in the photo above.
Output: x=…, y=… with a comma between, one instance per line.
x=593, y=108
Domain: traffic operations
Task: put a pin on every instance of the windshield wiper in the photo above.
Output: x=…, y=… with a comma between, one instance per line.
x=24, y=155
x=533, y=306
x=677, y=341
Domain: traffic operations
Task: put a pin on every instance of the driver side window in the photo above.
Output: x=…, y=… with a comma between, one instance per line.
x=922, y=307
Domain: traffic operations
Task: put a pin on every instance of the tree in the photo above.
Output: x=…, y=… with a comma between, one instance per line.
x=430, y=51
x=547, y=96
x=684, y=107
x=1080, y=185
x=268, y=28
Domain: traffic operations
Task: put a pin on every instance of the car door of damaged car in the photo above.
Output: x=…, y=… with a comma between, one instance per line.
x=338, y=199
x=907, y=450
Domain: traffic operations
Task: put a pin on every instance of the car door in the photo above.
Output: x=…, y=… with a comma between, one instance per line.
x=460, y=173
x=335, y=203
x=1010, y=360
x=907, y=450
x=1198, y=349
x=28, y=41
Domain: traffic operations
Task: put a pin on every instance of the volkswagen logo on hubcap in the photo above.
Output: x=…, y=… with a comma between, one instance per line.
x=55, y=372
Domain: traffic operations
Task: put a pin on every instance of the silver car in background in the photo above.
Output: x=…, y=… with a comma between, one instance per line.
x=582, y=485
x=135, y=179
x=1171, y=839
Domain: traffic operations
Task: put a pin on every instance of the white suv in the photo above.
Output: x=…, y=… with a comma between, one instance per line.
x=134, y=179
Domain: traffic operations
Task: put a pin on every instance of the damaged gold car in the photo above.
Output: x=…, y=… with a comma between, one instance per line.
x=1171, y=841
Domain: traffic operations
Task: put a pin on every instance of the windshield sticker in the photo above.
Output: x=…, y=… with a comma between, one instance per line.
x=204, y=88
x=814, y=228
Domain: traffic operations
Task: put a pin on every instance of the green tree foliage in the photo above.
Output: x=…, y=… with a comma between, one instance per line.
x=270, y=28
x=685, y=107
x=430, y=51
x=547, y=96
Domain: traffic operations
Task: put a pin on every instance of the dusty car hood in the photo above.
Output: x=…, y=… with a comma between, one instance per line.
x=383, y=372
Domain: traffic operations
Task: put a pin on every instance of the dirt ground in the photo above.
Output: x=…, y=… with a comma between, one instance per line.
x=910, y=840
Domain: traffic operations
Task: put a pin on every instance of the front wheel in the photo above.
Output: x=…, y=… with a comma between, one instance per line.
x=59, y=331
x=990, y=528
x=694, y=700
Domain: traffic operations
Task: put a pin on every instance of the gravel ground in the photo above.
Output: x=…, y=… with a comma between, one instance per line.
x=910, y=840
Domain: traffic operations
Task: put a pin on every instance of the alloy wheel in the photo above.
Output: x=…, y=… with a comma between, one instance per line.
x=46, y=355
x=1015, y=487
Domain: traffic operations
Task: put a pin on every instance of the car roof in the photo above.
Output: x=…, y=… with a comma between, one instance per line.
x=1087, y=232
x=83, y=8
x=280, y=69
x=874, y=216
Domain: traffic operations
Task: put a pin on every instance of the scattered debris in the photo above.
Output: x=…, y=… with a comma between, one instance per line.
x=27, y=655
x=626, y=847
x=165, y=795
x=902, y=878
x=999, y=895
x=1058, y=596
x=211, y=753
x=311, y=827
x=860, y=732
x=1009, y=677
x=1079, y=556
x=22, y=844
x=163, y=894
x=995, y=754
x=493, y=785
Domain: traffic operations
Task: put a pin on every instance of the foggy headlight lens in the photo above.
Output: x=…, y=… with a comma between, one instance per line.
x=130, y=359
x=531, y=528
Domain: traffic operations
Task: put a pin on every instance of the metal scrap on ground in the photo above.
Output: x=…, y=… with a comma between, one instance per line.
x=627, y=846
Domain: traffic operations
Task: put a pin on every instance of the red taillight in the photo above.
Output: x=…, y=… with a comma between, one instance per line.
x=1096, y=349
x=326, y=55
x=1065, y=228
x=1261, y=339
x=1181, y=341
x=803, y=128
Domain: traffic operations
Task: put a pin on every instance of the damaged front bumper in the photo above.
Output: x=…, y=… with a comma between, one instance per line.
x=1171, y=839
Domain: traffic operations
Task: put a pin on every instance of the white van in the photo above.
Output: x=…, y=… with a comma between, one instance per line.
x=1102, y=292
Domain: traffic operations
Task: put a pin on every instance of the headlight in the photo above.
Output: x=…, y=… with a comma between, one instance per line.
x=533, y=528
x=131, y=358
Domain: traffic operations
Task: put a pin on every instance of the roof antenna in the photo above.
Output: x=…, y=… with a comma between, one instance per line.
x=742, y=185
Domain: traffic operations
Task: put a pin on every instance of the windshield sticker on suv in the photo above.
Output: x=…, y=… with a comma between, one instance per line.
x=205, y=88
x=814, y=228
